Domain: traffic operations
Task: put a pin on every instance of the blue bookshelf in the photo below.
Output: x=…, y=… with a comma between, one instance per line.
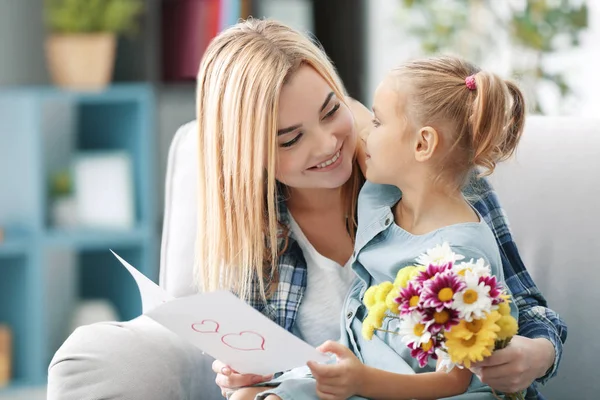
x=34, y=125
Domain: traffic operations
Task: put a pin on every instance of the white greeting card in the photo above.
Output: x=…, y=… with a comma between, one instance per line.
x=227, y=328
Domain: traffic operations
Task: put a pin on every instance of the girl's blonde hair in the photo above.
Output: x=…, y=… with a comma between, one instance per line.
x=239, y=83
x=483, y=122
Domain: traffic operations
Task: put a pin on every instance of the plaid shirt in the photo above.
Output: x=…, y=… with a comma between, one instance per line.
x=536, y=320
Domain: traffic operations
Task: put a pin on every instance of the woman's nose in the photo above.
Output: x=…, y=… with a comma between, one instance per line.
x=328, y=143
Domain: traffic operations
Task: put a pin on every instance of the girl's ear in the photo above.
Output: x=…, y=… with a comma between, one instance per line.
x=426, y=143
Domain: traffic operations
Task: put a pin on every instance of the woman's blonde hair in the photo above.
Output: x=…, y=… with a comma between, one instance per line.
x=484, y=122
x=239, y=83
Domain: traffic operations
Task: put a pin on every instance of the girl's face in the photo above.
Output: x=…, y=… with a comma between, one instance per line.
x=316, y=135
x=389, y=143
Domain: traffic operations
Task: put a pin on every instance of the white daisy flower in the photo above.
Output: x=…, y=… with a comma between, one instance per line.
x=474, y=300
x=445, y=363
x=478, y=268
x=439, y=255
x=413, y=330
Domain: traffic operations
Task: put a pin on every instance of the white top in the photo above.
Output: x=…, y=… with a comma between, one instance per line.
x=327, y=285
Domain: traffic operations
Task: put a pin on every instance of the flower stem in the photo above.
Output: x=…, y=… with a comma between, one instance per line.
x=384, y=330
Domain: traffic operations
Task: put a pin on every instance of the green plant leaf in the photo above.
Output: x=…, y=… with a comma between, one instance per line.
x=91, y=16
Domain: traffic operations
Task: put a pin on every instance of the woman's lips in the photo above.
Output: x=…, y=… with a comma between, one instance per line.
x=330, y=164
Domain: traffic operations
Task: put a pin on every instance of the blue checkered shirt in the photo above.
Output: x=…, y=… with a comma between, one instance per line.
x=536, y=320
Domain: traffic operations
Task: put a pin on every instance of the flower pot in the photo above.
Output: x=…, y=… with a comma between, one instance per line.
x=81, y=61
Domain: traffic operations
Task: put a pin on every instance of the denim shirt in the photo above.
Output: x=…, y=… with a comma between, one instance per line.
x=382, y=248
x=536, y=320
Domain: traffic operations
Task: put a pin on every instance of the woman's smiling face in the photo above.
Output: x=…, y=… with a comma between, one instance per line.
x=316, y=134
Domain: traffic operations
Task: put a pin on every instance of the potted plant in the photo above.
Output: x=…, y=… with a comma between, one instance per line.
x=82, y=40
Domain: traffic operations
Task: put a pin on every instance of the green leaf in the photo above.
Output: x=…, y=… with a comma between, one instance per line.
x=89, y=16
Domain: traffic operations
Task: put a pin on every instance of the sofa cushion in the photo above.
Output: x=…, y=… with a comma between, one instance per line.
x=550, y=192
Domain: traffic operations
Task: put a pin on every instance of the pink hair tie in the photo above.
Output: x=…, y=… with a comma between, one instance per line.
x=470, y=82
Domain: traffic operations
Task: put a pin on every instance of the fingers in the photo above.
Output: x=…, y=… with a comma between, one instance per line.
x=323, y=371
x=498, y=357
x=504, y=378
x=336, y=348
x=219, y=368
x=236, y=381
x=326, y=393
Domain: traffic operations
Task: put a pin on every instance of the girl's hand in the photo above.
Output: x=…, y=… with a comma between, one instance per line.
x=515, y=367
x=338, y=381
x=229, y=380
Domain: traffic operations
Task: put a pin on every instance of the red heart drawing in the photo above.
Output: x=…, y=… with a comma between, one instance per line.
x=207, y=326
x=250, y=342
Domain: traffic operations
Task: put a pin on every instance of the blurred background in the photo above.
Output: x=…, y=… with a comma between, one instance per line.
x=92, y=92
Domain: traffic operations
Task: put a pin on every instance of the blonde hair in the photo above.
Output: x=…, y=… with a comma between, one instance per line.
x=485, y=123
x=239, y=83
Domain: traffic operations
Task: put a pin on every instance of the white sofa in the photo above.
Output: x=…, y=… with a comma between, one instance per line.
x=551, y=193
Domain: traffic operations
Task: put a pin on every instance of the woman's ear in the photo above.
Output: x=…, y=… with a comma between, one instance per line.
x=426, y=143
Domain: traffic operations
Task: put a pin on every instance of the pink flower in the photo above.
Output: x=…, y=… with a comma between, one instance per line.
x=436, y=321
x=495, y=288
x=409, y=299
x=431, y=271
x=423, y=351
x=439, y=291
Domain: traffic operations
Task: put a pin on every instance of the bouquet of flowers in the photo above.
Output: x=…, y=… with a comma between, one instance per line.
x=450, y=310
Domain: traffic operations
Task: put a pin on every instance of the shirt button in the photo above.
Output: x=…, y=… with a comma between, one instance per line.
x=387, y=221
x=349, y=315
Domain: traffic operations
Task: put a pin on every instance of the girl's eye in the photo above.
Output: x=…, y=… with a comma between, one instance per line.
x=291, y=142
x=375, y=123
x=332, y=111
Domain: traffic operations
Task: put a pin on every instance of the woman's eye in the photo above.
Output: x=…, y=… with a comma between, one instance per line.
x=332, y=111
x=375, y=123
x=291, y=142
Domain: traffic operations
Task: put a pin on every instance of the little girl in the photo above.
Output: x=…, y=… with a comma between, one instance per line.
x=435, y=122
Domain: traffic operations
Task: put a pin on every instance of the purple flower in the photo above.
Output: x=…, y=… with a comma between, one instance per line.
x=495, y=288
x=431, y=271
x=409, y=299
x=436, y=321
x=423, y=351
x=439, y=291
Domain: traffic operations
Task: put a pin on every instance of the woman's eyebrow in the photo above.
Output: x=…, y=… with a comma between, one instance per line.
x=283, y=131
x=327, y=100
x=288, y=129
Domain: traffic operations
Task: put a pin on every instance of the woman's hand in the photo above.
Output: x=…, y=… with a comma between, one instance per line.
x=515, y=367
x=337, y=381
x=228, y=380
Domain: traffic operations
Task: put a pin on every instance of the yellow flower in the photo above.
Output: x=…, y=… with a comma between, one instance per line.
x=390, y=300
x=369, y=298
x=382, y=291
x=504, y=308
x=403, y=276
x=377, y=314
x=470, y=342
x=406, y=274
x=508, y=327
x=373, y=320
x=368, y=328
x=466, y=330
